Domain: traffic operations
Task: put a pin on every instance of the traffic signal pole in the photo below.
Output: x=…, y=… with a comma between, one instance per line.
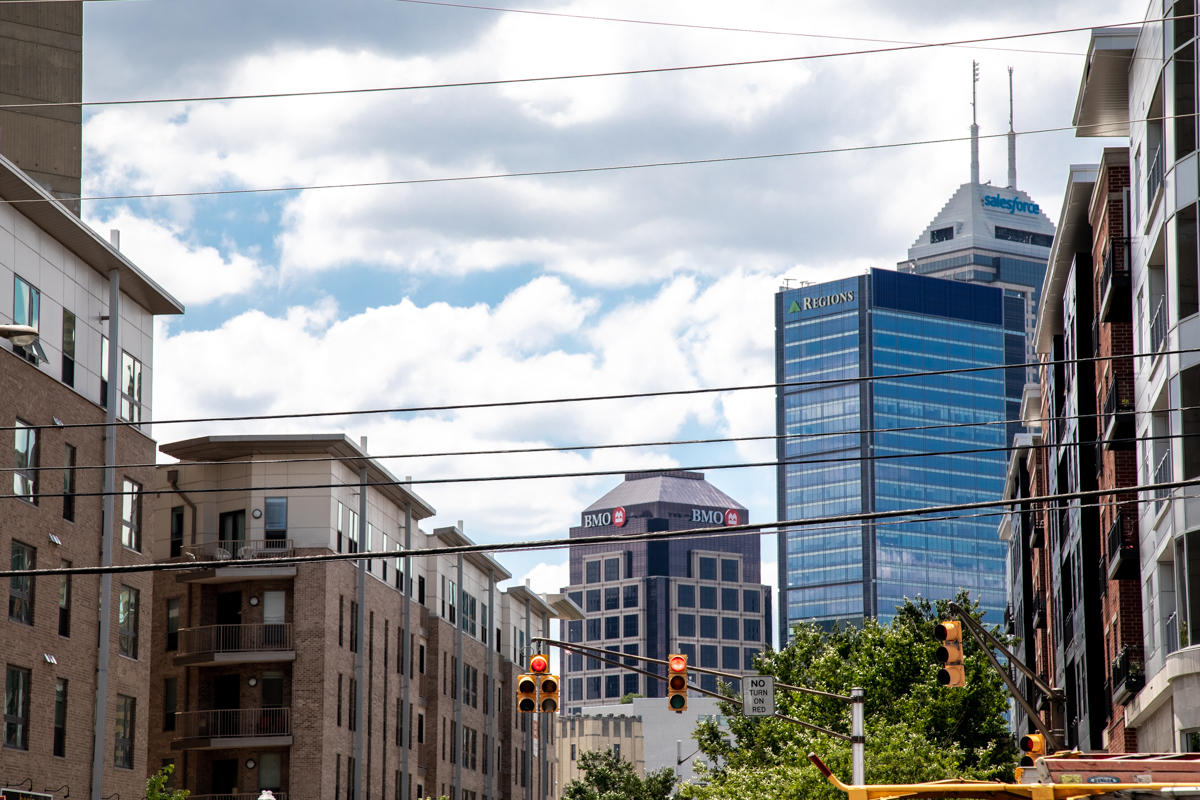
x=986, y=642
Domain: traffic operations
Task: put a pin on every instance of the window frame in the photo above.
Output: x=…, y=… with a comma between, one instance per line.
x=128, y=613
x=25, y=461
x=131, y=515
x=22, y=590
x=17, y=701
x=124, y=729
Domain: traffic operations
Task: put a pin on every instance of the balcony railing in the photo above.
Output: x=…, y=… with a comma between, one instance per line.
x=1162, y=474
x=1158, y=326
x=1122, y=553
x=235, y=639
x=1039, y=613
x=1114, y=281
x=1154, y=177
x=238, y=549
x=1128, y=674
x=1171, y=633
x=233, y=723
x=1118, y=418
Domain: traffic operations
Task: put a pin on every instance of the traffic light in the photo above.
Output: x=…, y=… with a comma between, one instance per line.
x=1033, y=745
x=527, y=693
x=547, y=684
x=677, y=683
x=950, y=654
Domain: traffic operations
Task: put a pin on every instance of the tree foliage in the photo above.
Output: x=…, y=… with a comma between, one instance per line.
x=156, y=786
x=608, y=777
x=916, y=730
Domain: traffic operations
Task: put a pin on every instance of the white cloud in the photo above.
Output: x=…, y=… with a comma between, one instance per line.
x=546, y=578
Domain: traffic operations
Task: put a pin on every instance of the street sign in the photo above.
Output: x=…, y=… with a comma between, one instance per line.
x=758, y=696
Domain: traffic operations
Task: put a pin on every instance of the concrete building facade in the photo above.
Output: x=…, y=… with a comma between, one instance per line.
x=75, y=664
x=257, y=682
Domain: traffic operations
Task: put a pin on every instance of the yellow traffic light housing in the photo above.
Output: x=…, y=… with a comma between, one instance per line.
x=677, y=683
x=1033, y=745
x=950, y=654
x=546, y=684
x=527, y=693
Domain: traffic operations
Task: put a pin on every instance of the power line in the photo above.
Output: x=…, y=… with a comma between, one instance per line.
x=611, y=445
x=560, y=543
x=804, y=384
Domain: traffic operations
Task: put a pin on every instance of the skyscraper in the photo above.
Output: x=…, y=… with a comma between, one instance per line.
x=698, y=596
x=857, y=441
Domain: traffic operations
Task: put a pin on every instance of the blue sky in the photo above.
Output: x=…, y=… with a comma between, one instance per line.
x=557, y=285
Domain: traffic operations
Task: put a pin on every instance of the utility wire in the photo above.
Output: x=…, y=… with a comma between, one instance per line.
x=573, y=448
x=575, y=76
x=804, y=384
x=560, y=543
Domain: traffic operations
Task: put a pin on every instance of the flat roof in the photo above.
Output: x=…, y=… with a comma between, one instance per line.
x=29, y=199
x=337, y=445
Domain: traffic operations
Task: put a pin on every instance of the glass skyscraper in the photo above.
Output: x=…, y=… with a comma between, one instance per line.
x=872, y=443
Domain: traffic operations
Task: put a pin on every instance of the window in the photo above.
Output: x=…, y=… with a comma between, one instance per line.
x=176, y=531
x=172, y=624
x=750, y=599
x=630, y=599
x=687, y=625
x=68, y=348
x=353, y=626
x=1024, y=237
x=708, y=627
x=687, y=595
x=126, y=724
x=612, y=627
x=69, y=482
x=170, y=699
x=352, y=705
x=593, y=600
x=25, y=472
x=708, y=569
x=708, y=597
x=16, y=708
x=64, y=602
x=131, y=388
x=630, y=625
x=592, y=568
x=612, y=598
x=631, y=684
x=729, y=570
x=593, y=628
x=730, y=656
x=339, y=701
x=60, y=717
x=612, y=569
x=270, y=770
x=612, y=686
x=26, y=304
x=127, y=622
x=20, y=592
x=941, y=235
x=729, y=599
x=131, y=515
x=753, y=630
x=104, y=371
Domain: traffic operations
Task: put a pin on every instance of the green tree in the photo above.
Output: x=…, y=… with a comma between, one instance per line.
x=916, y=730
x=156, y=786
x=608, y=777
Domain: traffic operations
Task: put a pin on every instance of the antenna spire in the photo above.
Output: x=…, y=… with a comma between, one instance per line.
x=1012, y=137
x=974, y=126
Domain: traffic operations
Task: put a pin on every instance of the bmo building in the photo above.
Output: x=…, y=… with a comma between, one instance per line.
x=697, y=595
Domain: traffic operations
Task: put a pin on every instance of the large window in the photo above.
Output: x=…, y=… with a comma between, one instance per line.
x=60, y=717
x=127, y=622
x=275, y=519
x=68, y=348
x=16, y=708
x=131, y=388
x=69, y=482
x=25, y=473
x=20, y=592
x=64, y=601
x=26, y=309
x=126, y=721
x=131, y=515
x=104, y=371
x=173, y=623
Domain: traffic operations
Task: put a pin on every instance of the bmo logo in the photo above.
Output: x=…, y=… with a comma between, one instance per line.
x=713, y=517
x=600, y=518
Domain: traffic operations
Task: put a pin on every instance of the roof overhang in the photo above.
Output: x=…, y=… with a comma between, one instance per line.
x=336, y=445
x=1102, y=105
x=565, y=606
x=453, y=537
x=41, y=208
x=537, y=604
x=1072, y=234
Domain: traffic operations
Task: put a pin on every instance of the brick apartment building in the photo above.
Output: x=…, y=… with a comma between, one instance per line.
x=69, y=640
x=255, y=680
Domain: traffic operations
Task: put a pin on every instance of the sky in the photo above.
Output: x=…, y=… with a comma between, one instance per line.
x=480, y=289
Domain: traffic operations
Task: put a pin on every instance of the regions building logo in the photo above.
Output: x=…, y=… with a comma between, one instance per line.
x=824, y=301
x=1010, y=204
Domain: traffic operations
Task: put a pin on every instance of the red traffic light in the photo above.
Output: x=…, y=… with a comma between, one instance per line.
x=677, y=664
x=677, y=682
x=539, y=664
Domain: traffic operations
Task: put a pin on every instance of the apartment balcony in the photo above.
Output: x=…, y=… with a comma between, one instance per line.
x=1122, y=552
x=235, y=644
x=1154, y=177
x=1158, y=325
x=1117, y=419
x=248, y=560
x=228, y=728
x=1039, y=613
x=1037, y=531
x=279, y=795
x=1128, y=675
x=1163, y=474
x=1115, y=301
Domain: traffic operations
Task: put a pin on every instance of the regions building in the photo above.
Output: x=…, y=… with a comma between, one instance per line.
x=701, y=597
x=75, y=405
x=390, y=679
x=854, y=441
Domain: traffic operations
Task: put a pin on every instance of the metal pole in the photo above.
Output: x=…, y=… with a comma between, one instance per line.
x=360, y=664
x=858, y=737
x=492, y=702
x=100, y=728
x=460, y=674
x=405, y=665
x=528, y=759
